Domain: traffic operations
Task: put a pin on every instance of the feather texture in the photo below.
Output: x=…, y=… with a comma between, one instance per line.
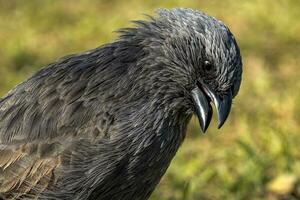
x=105, y=124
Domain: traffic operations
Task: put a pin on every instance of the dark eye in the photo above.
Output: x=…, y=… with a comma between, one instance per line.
x=208, y=66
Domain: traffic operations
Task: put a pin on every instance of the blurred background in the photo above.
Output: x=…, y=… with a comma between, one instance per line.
x=256, y=154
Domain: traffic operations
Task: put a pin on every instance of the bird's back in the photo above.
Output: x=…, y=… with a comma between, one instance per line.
x=63, y=108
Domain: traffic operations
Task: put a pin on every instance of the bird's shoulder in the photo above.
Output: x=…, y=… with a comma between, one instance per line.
x=43, y=118
x=64, y=98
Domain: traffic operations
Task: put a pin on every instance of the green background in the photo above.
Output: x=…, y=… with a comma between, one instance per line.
x=256, y=154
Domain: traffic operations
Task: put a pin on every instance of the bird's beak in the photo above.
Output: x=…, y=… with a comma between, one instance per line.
x=202, y=96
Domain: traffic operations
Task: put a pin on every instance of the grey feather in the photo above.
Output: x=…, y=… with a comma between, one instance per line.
x=116, y=115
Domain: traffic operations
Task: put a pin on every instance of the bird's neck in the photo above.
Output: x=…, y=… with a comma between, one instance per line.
x=154, y=150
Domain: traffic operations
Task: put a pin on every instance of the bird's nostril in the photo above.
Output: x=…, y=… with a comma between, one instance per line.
x=199, y=85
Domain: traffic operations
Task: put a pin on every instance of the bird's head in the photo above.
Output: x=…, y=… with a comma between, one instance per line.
x=196, y=56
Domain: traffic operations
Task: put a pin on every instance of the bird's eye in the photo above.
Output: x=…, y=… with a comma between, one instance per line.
x=208, y=66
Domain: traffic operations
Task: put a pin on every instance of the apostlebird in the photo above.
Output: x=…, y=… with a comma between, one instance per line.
x=105, y=124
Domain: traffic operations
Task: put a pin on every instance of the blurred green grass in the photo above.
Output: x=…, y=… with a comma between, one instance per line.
x=258, y=146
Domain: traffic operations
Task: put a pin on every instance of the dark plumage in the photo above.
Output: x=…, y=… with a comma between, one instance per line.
x=106, y=123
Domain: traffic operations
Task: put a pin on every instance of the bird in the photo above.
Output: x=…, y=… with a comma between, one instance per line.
x=106, y=123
